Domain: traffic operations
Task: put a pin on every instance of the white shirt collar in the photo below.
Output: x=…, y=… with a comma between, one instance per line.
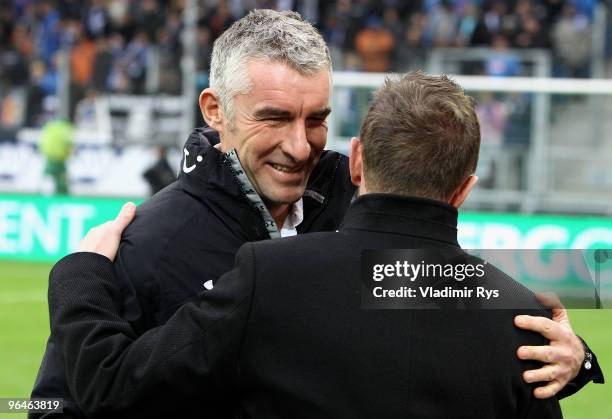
x=294, y=219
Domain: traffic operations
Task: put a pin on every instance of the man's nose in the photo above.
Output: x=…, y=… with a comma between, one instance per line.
x=296, y=146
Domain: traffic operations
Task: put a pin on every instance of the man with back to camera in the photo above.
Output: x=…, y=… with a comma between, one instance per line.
x=284, y=333
x=268, y=101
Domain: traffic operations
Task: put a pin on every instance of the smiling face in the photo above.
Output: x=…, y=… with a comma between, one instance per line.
x=279, y=129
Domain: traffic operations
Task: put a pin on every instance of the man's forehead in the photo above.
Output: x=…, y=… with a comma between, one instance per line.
x=274, y=75
x=275, y=88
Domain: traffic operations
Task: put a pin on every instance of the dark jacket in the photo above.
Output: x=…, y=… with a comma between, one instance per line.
x=189, y=233
x=284, y=335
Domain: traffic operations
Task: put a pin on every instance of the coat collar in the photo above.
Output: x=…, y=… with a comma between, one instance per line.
x=205, y=169
x=208, y=173
x=398, y=214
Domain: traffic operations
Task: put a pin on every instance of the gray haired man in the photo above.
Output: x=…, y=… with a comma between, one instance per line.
x=257, y=171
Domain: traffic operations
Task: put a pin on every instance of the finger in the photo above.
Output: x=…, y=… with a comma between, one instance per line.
x=549, y=299
x=545, y=354
x=546, y=373
x=542, y=325
x=98, y=230
x=90, y=242
x=125, y=217
x=548, y=390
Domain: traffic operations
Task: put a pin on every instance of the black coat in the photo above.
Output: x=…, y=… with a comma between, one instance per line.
x=283, y=335
x=189, y=233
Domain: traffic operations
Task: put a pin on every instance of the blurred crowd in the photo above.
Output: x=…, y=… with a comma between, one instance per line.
x=111, y=45
x=387, y=35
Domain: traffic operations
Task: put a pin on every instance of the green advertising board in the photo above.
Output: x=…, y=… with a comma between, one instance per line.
x=517, y=231
x=38, y=228
x=575, y=275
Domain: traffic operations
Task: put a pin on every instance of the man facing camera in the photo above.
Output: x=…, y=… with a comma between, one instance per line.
x=284, y=334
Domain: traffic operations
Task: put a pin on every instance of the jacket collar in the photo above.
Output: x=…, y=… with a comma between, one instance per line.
x=206, y=171
x=209, y=173
x=411, y=216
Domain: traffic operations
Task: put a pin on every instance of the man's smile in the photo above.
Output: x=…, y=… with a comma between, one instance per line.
x=286, y=169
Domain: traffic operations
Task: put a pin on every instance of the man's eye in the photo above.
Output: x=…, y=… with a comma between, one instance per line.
x=317, y=121
x=275, y=120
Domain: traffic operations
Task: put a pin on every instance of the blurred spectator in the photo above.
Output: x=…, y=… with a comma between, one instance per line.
x=572, y=41
x=219, y=20
x=336, y=31
x=160, y=174
x=92, y=115
x=552, y=10
x=174, y=26
x=169, y=59
x=392, y=22
x=102, y=65
x=13, y=68
x=6, y=24
x=135, y=62
x=467, y=24
x=493, y=117
x=82, y=58
x=71, y=33
x=70, y=9
x=113, y=42
x=12, y=109
x=22, y=40
x=122, y=16
x=204, y=48
x=440, y=30
x=48, y=29
x=309, y=9
x=410, y=53
x=489, y=24
x=97, y=23
x=56, y=143
x=149, y=18
x=118, y=12
x=530, y=34
x=35, y=94
x=374, y=44
x=584, y=7
x=41, y=92
x=117, y=79
x=502, y=63
x=82, y=61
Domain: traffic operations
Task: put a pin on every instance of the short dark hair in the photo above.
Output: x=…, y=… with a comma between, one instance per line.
x=420, y=137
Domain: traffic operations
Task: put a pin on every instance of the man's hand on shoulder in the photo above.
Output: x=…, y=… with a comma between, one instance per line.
x=104, y=239
x=564, y=355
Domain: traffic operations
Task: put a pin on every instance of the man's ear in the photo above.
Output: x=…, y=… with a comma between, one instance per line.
x=462, y=192
x=356, y=162
x=210, y=106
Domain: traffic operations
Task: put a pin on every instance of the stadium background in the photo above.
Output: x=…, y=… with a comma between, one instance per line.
x=124, y=76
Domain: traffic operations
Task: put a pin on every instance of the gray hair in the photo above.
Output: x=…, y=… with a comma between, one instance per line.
x=268, y=35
